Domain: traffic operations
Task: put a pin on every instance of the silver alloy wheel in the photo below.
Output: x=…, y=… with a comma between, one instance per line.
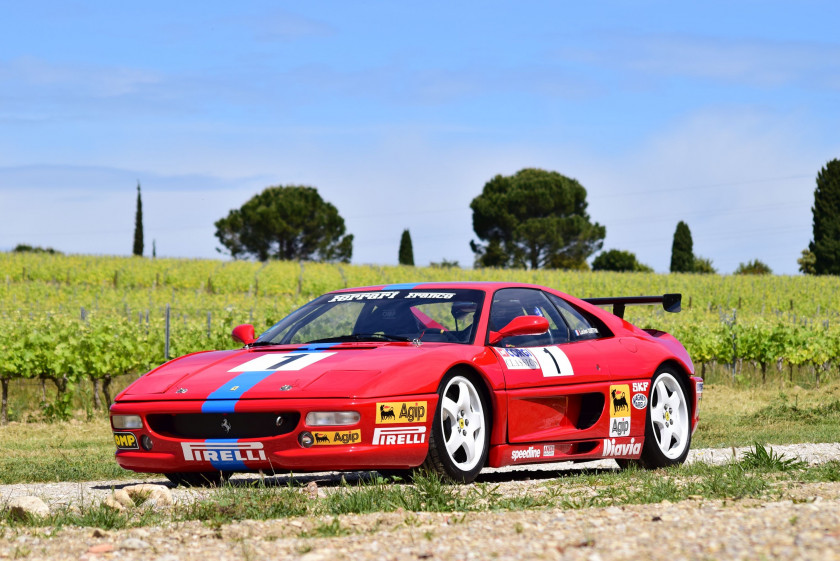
x=669, y=416
x=462, y=421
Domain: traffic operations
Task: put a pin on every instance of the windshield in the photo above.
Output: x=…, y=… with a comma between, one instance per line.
x=443, y=315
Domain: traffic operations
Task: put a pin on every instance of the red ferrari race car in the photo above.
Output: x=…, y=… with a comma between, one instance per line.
x=450, y=376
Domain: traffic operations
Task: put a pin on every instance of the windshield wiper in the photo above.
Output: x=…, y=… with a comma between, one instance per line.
x=358, y=337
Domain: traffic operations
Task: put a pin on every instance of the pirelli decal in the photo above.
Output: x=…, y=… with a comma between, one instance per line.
x=395, y=436
x=222, y=451
x=125, y=441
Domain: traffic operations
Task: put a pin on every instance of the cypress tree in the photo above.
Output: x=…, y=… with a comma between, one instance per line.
x=682, y=250
x=826, y=211
x=138, y=225
x=406, y=251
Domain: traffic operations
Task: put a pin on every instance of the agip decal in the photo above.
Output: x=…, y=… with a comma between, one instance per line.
x=333, y=438
x=619, y=410
x=401, y=412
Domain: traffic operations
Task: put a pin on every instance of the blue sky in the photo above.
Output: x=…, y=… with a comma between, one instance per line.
x=718, y=113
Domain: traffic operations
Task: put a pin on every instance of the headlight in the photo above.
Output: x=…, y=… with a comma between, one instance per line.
x=126, y=421
x=332, y=418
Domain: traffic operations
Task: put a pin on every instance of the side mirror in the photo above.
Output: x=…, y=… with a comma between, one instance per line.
x=244, y=334
x=522, y=325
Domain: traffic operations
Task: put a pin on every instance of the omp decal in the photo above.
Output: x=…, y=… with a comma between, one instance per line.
x=528, y=454
x=613, y=449
x=552, y=361
x=125, y=441
x=330, y=438
x=639, y=401
x=351, y=296
x=401, y=412
x=619, y=410
x=254, y=371
x=223, y=453
x=389, y=436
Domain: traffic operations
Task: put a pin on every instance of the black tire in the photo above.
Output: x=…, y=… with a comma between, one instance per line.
x=198, y=478
x=460, y=438
x=667, y=422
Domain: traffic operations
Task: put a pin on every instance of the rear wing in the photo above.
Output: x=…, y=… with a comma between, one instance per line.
x=670, y=302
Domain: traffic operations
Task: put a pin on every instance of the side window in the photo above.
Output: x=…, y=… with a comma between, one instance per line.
x=509, y=303
x=583, y=326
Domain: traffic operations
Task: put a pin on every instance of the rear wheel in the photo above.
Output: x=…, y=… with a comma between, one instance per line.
x=668, y=423
x=460, y=437
x=198, y=478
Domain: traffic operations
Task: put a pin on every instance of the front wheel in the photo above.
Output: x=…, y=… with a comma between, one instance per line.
x=668, y=423
x=460, y=437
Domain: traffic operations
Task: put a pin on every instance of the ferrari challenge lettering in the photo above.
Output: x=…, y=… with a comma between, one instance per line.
x=222, y=451
x=431, y=295
x=619, y=410
x=280, y=362
x=332, y=438
x=613, y=449
x=125, y=440
x=519, y=359
x=389, y=436
x=529, y=454
x=363, y=296
x=401, y=412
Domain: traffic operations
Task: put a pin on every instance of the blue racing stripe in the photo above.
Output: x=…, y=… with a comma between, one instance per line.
x=236, y=465
x=225, y=398
x=403, y=286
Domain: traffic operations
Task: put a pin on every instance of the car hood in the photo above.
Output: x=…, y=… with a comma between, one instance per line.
x=346, y=370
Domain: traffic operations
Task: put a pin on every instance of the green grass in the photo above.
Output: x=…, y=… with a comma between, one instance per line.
x=763, y=474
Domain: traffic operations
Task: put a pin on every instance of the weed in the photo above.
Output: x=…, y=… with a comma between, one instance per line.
x=762, y=459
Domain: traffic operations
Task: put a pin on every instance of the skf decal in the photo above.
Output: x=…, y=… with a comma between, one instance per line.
x=619, y=410
x=529, y=454
x=548, y=451
x=639, y=401
x=401, y=412
x=614, y=449
x=640, y=386
x=222, y=451
x=331, y=438
x=280, y=362
x=125, y=441
x=552, y=361
x=388, y=436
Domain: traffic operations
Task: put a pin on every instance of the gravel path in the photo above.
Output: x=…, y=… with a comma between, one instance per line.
x=805, y=527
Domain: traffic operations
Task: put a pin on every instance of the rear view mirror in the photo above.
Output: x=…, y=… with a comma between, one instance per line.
x=522, y=325
x=244, y=334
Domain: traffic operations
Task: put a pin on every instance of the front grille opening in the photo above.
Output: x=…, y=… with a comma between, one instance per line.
x=223, y=425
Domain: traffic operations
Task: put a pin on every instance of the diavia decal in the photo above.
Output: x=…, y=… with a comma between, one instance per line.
x=401, y=412
x=125, y=441
x=222, y=451
x=529, y=453
x=276, y=362
x=332, y=438
x=391, y=436
x=619, y=410
x=615, y=448
x=552, y=361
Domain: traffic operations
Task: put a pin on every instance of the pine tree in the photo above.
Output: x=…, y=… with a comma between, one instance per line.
x=826, y=211
x=138, y=225
x=406, y=251
x=682, y=250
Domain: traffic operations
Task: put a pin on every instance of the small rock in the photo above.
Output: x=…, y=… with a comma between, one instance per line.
x=100, y=533
x=160, y=494
x=123, y=498
x=312, y=490
x=101, y=548
x=112, y=503
x=133, y=543
x=21, y=507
